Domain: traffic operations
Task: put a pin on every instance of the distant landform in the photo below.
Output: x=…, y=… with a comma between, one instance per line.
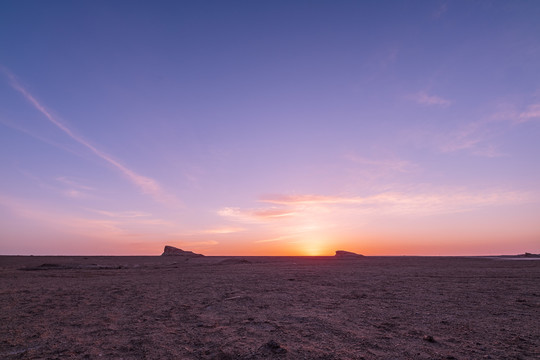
x=342, y=254
x=173, y=251
x=526, y=255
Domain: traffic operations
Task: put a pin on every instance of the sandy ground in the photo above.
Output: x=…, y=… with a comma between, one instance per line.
x=283, y=308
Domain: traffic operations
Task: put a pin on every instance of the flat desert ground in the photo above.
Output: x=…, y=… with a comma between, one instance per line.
x=268, y=307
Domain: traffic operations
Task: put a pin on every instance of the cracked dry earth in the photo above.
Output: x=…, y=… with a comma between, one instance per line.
x=268, y=307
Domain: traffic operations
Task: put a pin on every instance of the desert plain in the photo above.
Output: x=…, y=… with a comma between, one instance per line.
x=269, y=307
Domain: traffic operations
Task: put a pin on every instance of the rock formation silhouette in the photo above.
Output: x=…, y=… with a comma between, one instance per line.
x=173, y=251
x=342, y=254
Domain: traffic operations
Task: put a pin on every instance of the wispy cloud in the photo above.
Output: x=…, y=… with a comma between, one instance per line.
x=308, y=199
x=426, y=99
x=200, y=243
x=111, y=226
x=61, y=222
x=514, y=113
x=75, y=194
x=275, y=239
x=74, y=189
x=489, y=151
x=477, y=136
x=531, y=113
x=74, y=183
x=383, y=165
x=306, y=206
x=36, y=136
x=389, y=57
x=133, y=218
x=68, y=188
x=321, y=216
x=147, y=185
x=440, y=11
x=223, y=230
x=122, y=214
x=467, y=137
x=444, y=201
x=260, y=215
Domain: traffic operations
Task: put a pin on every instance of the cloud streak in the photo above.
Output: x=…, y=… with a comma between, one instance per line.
x=468, y=137
x=425, y=99
x=307, y=218
x=475, y=136
x=440, y=11
x=122, y=214
x=297, y=208
x=260, y=215
x=532, y=112
x=223, y=230
x=310, y=199
x=390, y=165
x=145, y=184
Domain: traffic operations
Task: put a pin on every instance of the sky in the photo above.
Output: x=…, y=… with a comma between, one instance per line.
x=269, y=127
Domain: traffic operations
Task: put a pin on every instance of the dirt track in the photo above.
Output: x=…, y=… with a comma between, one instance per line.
x=289, y=308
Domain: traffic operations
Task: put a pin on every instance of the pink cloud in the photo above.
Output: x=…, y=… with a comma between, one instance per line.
x=437, y=201
x=305, y=199
x=425, y=99
x=256, y=215
x=384, y=165
x=223, y=230
x=122, y=214
x=532, y=112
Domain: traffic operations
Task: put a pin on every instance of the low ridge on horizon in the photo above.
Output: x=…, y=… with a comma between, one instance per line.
x=169, y=250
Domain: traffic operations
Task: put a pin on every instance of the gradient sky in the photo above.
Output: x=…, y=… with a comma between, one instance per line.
x=270, y=127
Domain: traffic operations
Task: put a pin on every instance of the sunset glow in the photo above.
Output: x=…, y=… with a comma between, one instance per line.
x=270, y=128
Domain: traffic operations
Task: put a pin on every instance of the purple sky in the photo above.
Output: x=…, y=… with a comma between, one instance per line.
x=270, y=128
